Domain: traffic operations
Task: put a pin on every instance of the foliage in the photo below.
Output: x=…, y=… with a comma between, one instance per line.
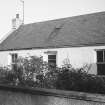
x=25, y=72
x=79, y=80
x=7, y=76
x=51, y=77
x=34, y=72
x=32, y=69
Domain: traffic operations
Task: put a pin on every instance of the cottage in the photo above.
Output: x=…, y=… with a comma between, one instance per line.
x=77, y=40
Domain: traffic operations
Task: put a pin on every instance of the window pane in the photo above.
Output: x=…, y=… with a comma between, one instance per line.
x=14, y=58
x=99, y=56
x=101, y=69
x=51, y=56
x=52, y=60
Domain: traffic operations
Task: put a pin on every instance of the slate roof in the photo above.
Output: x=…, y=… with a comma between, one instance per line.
x=83, y=30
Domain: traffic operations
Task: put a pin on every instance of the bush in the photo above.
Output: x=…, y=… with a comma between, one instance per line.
x=51, y=77
x=25, y=72
x=30, y=71
x=7, y=76
x=79, y=80
x=34, y=72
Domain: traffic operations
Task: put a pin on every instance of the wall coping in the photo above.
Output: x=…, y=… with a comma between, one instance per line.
x=56, y=93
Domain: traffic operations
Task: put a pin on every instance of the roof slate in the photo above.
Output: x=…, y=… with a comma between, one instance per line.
x=83, y=30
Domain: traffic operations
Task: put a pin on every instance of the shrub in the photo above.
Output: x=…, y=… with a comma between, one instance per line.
x=25, y=72
x=30, y=68
x=51, y=77
x=79, y=80
x=7, y=76
x=34, y=72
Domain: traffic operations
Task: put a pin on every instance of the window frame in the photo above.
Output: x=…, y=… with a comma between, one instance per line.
x=49, y=52
x=14, y=61
x=14, y=57
x=103, y=56
x=52, y=59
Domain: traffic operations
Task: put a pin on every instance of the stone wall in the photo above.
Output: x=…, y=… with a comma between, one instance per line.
x=10, y=95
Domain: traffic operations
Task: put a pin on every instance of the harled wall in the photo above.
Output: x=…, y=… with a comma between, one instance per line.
x=78, y=56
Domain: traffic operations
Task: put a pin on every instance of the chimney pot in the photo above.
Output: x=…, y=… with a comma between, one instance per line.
x=17, y=16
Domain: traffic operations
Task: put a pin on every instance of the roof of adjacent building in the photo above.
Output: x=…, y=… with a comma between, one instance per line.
x=83, y=30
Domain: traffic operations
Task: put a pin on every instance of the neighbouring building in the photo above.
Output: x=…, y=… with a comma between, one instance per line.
x=77, y=40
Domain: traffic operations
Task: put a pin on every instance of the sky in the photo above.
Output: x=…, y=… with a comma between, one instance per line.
x=42, y=10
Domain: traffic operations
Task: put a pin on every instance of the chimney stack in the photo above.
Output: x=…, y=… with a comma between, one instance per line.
x=16, y=22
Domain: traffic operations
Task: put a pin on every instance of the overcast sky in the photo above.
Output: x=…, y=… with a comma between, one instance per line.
x=41, y=10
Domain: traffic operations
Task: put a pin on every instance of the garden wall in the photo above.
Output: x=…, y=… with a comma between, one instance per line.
x=10, y=95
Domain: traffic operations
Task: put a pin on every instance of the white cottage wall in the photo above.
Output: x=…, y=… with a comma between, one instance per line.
x=78, y=56
x=4, y=58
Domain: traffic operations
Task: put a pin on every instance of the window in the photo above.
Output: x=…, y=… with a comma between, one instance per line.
x=52, y=59
x=101, y=62
x=14, y=58
x=100, y=56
